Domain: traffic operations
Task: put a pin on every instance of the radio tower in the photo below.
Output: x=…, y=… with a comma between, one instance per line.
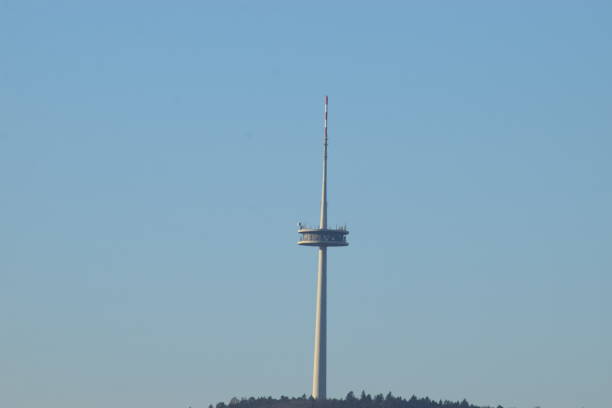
x=322, y=237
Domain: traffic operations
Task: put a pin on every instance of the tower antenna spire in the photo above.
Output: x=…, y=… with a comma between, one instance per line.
x=323, y=223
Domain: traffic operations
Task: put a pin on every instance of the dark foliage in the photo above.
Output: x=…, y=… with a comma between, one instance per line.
x=350, y=401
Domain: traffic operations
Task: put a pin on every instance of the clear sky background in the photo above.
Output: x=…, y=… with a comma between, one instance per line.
x=155, y=158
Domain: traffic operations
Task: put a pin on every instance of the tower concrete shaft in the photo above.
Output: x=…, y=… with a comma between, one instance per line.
x=319, y=372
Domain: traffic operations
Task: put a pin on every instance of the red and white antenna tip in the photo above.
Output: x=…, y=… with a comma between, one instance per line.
x=325, y=117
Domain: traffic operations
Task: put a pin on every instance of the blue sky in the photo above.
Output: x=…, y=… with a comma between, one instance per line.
x=155, y=158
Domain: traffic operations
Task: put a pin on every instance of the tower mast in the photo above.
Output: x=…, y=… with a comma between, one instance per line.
x=319, y=371
x=322, y=237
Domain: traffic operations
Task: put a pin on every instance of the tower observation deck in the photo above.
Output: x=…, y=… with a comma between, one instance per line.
x=322, y=237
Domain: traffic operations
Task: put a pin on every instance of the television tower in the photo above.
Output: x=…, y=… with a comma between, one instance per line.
x=322, y=237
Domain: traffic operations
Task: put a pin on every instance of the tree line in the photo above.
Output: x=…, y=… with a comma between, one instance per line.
x=350, y=401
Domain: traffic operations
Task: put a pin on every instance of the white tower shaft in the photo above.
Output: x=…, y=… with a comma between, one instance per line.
x=319, y=376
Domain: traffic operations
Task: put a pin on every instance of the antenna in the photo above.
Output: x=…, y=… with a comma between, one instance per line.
x=323, y=223
x=325, y=124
